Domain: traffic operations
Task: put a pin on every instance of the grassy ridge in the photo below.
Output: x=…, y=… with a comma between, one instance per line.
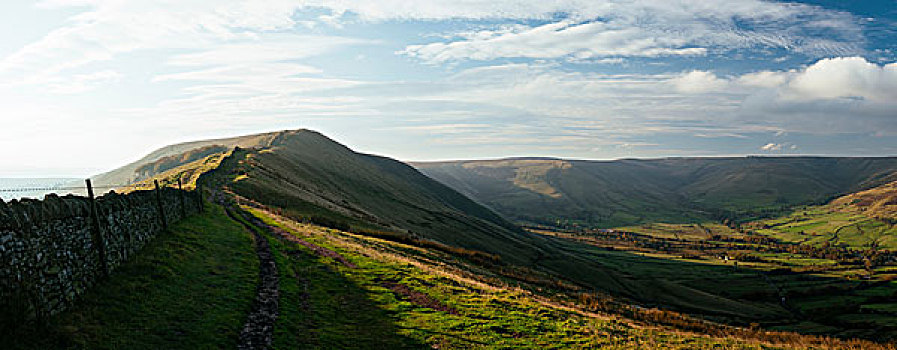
x=188, y=173
x=307, y=174
x=189, y=288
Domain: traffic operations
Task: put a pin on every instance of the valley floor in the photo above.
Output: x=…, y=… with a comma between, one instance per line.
x=815, y=289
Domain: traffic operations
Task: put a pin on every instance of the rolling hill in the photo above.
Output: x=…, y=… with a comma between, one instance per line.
x=311, y=179
x=631, y=191
x=314, y=178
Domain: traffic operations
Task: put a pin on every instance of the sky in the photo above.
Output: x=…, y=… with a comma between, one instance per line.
x=90, y=85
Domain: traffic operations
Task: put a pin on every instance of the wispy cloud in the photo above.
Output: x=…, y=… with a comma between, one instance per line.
x=700, y=103
x=110, y=28
x=598, y=30
x=587, y=29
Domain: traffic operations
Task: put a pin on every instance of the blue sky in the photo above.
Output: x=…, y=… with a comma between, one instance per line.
x=88, y=85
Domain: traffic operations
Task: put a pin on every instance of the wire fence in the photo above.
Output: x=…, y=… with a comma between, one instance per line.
x=71, y=188
x=15, y=191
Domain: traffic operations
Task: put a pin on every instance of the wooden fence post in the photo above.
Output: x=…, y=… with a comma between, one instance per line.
x=96, y=234
x=202, y=205
x=183, y=202
x=161, y=208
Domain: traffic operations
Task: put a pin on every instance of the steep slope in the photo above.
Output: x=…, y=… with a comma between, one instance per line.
x=314, y=177
x=623, y=192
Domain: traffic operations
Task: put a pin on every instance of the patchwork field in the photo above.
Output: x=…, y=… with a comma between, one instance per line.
x=822, y=289
x=820, y=225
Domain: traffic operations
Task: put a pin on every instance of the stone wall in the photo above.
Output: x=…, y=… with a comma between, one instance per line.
x=48, y=257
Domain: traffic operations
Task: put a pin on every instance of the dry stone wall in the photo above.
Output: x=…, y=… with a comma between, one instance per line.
x=48, y=254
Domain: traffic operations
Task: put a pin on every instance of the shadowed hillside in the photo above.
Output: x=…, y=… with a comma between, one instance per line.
x=624, y=192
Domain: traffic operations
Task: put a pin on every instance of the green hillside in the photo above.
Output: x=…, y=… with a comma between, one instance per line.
x=861, y=220
x=310, y=178
x=376, y=246
x=313, y=179
x=192, y=288
x=626, y=192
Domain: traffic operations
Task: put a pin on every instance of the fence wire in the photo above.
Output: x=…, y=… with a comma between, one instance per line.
x=71, y=188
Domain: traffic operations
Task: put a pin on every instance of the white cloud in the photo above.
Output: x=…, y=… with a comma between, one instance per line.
x=457, y=128
x=779, y=147
x=256, y=78
x=851, y=78
x=553, y=101
x=772, y=147
x=699, y=82
x=846, y=77
x=270, y=48
x=699, y=103
x=763, y=79
x=837, y=95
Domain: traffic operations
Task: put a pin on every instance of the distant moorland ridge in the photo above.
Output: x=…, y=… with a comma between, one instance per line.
x=631, y=191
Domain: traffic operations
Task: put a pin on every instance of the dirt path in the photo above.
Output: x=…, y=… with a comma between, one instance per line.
x=258, y=331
